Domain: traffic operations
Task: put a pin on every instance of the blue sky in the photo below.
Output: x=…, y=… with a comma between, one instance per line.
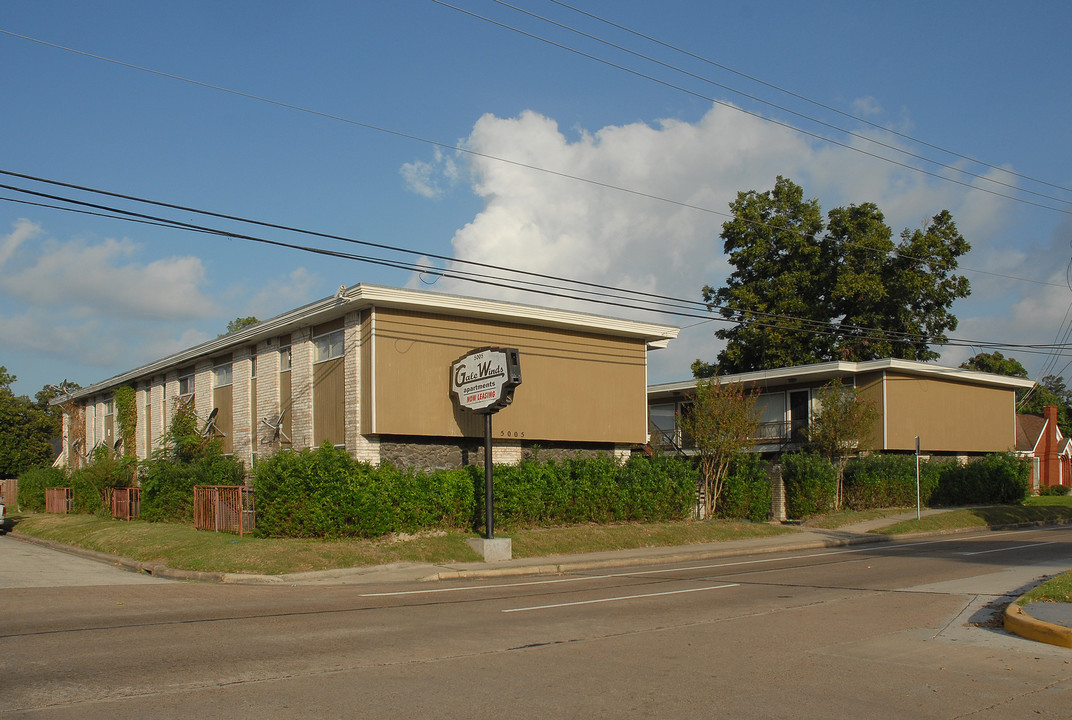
x=368, y=102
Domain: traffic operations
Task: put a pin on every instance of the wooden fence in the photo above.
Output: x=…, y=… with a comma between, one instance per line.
x=224, y=508
x=58, y=500
x=9, y=491
x=126, y=503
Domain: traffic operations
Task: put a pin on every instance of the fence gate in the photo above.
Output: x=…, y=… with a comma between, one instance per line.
x=126, y=503
x=58, y=500
x=9, y=491
x=224, y=508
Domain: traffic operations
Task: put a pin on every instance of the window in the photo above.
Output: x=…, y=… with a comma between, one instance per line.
x=770, y=411
x=222, y=375
x=328, y=347
x=186, y=385
x=663, y=421
x=284, y=359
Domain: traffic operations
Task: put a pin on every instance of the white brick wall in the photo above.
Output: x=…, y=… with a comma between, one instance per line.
x=142, y=422
x=267, y=397
x=352, y=379
x=203, y=391
x=241, y=374
x=301, y=387
x=159, y=410
x=508, y=453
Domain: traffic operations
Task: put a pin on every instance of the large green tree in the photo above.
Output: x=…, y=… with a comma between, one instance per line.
x=25, y=430
x=996, y=363
x=803, y=291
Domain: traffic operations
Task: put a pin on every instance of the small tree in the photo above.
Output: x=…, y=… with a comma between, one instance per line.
x=239, y=323
x=842, y=427
x=721, y=424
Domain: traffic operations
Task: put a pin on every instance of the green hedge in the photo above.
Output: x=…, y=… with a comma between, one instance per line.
x=88, y=484
x=324, y=493
x=32, y=484
x=877, y=481
x=1001, y=479
x=167, y=483
x=746, y=494
x=810, y=484
x=890, y=481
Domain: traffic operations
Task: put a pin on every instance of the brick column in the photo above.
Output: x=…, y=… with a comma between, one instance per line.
x=241, y=375
x=301, y=390
x=267, y=398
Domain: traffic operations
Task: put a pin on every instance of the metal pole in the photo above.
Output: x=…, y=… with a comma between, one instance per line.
x=917, y=477
x=489, y=496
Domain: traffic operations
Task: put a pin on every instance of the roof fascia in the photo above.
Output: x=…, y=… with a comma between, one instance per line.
x=360, y=297
x=829, y=370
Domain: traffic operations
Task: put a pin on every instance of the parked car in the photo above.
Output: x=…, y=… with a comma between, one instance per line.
x=3, y=518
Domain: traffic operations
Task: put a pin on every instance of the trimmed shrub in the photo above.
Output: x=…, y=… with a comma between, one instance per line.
x=1001, y=479
x=32, y=484
x=167, y=483
x=88, y=484
x=746, y=494
x=1046, y=490
x=324, y=493
x=810, y=484
x=877, y=481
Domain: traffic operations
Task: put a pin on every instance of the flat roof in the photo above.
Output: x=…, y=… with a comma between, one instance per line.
x=824, y=372
x=363, y=296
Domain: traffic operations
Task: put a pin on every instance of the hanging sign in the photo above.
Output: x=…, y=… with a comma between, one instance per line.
x=484, y=380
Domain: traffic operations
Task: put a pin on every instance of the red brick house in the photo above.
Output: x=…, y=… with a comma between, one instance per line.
x=1040, y=439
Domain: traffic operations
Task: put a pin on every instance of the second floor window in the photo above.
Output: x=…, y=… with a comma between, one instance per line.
x=328, y=346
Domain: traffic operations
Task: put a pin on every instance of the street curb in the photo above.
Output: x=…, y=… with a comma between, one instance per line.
x=680, y=554
x=1020, y=623
x=558, y=568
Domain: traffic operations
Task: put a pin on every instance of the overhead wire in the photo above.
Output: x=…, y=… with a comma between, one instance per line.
x=457, y=148
x=616, y=297
x=805, y=98
x=529, y=166
x=773, y=121
x=696, y=76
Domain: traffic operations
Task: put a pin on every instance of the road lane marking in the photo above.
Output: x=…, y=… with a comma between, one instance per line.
x=617, y=598
x=1005, y=549
x=712, y=566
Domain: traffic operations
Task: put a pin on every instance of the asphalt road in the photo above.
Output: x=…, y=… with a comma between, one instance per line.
x=873, y=631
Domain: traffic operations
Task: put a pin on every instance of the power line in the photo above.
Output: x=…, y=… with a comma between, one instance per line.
x=756, y=115
x=806, y=99
x=613, y=296
x=768, y=103
x=516, y=163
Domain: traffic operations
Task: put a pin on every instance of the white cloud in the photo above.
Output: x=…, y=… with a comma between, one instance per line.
x=23, y=230
x=106, y=277
x=430, y=179
x=551, y=222
x=280, y=294
x=867, y=106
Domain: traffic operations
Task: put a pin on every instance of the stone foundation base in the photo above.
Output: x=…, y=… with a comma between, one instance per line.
x=493, y=550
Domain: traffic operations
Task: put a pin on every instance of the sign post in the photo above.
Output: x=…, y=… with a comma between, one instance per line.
x=917, y=477
x=483, y=381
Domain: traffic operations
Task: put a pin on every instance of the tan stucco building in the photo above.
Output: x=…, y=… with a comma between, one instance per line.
x=368, y=370
x=952, y=411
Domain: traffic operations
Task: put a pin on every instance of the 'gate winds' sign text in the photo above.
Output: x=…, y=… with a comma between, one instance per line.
x=484, y=380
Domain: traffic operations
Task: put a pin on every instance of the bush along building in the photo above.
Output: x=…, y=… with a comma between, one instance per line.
x=368, y=370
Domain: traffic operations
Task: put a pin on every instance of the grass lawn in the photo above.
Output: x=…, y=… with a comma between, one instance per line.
x=181, y=547
x=1034, y=509
x=1056, y=589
